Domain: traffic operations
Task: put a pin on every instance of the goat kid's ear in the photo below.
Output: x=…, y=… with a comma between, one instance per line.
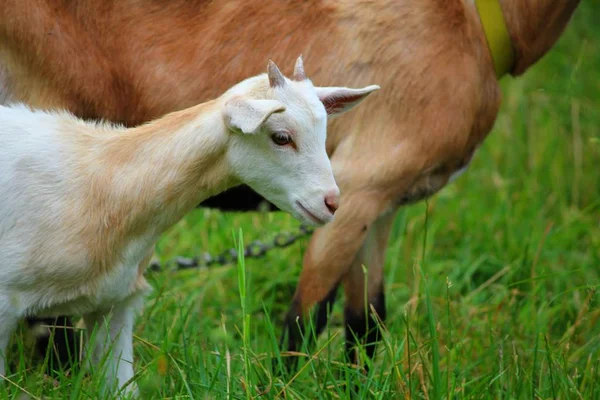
x=338, y=100
x=248, y=115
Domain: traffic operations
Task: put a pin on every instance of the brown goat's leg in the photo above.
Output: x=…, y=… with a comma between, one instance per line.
x=363, y=288
x=295, y=330
x=328, y=259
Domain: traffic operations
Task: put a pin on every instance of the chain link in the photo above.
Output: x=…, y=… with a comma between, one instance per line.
x=255, y=249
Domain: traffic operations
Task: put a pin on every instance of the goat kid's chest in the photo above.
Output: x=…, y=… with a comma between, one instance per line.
x=119, y=280
x=92, y=294
x=116, y=285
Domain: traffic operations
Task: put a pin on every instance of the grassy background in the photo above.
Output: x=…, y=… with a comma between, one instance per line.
x=500, y=304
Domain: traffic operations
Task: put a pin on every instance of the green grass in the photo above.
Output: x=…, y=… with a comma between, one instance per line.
x=491, y=293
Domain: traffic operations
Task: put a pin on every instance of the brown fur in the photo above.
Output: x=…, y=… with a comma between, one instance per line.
x=132, y=60
x=534, y=27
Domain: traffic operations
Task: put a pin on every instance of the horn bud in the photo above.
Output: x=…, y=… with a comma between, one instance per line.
x=276, y=78
x=299, y=74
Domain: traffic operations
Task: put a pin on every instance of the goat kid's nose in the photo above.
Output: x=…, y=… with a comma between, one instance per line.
x=332, y=200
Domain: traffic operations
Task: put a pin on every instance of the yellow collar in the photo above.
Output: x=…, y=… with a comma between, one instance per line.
x=497, y=35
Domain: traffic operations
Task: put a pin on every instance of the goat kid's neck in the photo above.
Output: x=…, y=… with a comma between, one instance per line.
x=149, y=177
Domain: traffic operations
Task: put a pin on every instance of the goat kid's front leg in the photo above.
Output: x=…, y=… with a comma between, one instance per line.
x=364, y=291
x=328, y=259
x=8, y=324
x=110, y=338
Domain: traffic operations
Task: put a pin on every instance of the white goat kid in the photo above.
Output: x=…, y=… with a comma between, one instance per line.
x=82, y=204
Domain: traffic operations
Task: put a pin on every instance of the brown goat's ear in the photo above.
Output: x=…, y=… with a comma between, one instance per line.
x=338, y=100
x=299, y=74
x=276, y=78
x=248, y=115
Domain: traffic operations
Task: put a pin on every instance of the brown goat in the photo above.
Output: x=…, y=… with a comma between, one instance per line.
x=131, y=61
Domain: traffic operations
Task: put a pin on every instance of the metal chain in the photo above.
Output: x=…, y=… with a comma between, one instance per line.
x=254, y=249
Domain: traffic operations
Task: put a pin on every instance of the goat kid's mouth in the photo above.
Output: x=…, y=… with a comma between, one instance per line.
x=309, y=215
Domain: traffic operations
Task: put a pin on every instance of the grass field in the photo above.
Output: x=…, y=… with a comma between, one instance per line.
x=501, y=303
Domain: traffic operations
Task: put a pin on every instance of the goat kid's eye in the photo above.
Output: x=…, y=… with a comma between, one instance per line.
x=282, y=139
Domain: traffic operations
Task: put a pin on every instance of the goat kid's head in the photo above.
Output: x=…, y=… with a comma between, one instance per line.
x=277, y=145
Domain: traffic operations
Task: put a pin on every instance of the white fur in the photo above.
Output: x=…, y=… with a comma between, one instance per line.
x=48, y=180
x=291, y=176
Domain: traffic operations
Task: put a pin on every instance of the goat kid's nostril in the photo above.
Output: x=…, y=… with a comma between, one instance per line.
x=331, y=201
